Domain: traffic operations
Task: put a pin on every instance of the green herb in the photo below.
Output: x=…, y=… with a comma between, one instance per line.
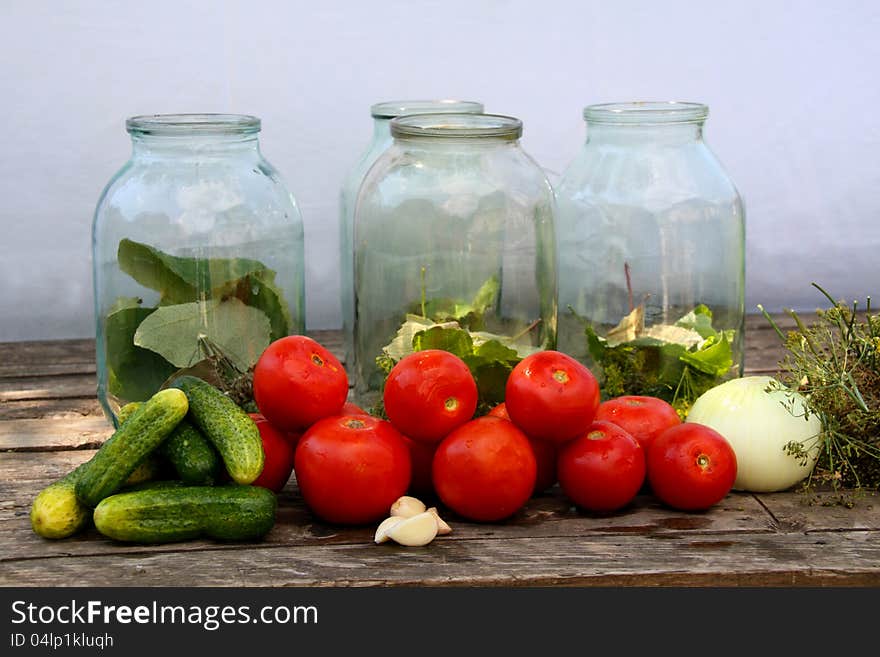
x=835, y=364
x=676, y=362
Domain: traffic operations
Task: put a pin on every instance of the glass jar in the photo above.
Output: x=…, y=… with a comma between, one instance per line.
x=453, y=249
x=197, y=253
x=382, y=114
x=652, y=258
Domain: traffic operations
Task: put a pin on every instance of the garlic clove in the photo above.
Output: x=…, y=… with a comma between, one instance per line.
x=442, y=528
x=382, y=530
x=407, y=507
x=415, y=531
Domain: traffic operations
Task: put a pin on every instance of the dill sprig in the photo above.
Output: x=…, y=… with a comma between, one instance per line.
x=835, y=363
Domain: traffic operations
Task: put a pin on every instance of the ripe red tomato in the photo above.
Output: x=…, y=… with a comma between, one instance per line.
x=691, y=467
x=351, y=468
x=422, y=456
x=603, y=469
x=484, y=470
x=545, y=454
x=642, y=417
x=551, y=396
x=279, y=453
x=428, y=394
x=298, y=382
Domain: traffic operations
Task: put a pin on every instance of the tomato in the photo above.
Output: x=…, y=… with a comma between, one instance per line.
x=545, y=454
x=603, y=469
x=298, y=382
x=279, y=453
x=422, y=456
x=428, y=394
x=350, y=408
x=485, y=469
x=351, y=468
x=642, y=417
x=691, y=467
x=551, y=396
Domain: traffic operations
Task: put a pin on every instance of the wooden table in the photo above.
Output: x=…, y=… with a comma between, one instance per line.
x=50, y=422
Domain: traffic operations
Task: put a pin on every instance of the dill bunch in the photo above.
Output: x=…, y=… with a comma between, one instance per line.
x=835, y=364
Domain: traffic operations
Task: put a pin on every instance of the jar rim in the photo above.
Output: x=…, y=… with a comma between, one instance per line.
x=457, y=126
x=393, y=108
x=189, y=124
x=646, y=112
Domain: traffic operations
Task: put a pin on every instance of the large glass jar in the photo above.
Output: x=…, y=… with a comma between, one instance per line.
x=651, y=256
x=382, y=114
x=454, y=249
x=197, y=250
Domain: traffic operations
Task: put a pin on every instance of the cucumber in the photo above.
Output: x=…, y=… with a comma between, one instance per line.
x=56, y=512
x=163, y=515
x=192, y=456
x=129, y=445
x=229, y=428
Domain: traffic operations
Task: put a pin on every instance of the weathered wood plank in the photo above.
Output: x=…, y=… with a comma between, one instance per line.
x=820, y=512
x=48, y=387
x=848, y=558
x=24, y=358
x=49, y=408
x=54, y=434
x=544, y=516
x=55, y=357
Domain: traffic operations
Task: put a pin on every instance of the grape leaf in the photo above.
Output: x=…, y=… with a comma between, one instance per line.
x=175, y=332
x=134, y=374
x=258, y=290
x=179, y=278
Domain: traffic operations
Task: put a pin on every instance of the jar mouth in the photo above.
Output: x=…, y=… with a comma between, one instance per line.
x=393, y=108
x=646, y=112
x=457, y=126
x=189, y=124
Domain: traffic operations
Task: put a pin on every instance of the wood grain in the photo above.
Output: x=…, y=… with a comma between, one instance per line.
x=794, y=559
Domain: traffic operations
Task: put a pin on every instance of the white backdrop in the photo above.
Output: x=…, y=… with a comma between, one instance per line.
x=792, y=89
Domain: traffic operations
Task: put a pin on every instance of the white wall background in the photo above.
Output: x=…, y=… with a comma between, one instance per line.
x=793, y=90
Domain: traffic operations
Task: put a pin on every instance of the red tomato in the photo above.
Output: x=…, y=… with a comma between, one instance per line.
x=691, y=467
x=545, y=454
x=279, y=453
x=551, y=396
x=428, y=394
x=485, y=470
x=603, y=469
x=298, y=382
x=351, y=468
x=641, y=417
x=350, y=408
x=422, y=456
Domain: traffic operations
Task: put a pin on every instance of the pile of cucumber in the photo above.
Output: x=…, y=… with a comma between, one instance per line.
x=195, y=430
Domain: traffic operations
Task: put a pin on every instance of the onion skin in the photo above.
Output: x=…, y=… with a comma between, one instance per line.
x=758, y=426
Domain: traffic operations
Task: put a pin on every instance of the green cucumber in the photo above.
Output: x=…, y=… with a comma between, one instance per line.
x=56, y=512
x=229, y=428
x=151, y=467
x=130, y=445
x=164, y=515
x=193, y=456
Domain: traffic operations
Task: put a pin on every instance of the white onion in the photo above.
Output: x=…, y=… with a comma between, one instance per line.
x=758, y=426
